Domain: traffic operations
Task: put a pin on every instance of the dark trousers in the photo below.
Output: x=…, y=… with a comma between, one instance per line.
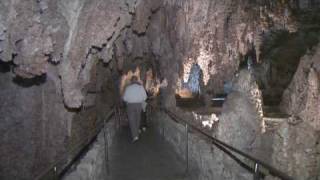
x=134, y=117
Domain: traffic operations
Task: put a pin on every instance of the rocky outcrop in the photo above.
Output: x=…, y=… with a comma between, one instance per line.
x=301, y=98
x=292, y=153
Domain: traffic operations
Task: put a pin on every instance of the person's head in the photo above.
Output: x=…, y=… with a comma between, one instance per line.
x=134, y=79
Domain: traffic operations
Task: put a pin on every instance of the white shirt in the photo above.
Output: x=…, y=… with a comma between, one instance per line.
x=134, y=93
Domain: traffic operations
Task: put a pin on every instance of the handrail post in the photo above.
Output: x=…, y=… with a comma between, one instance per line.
x=119, y=117
x=106, y=147
x=55, y=172
x=162, y=133
x=187, y=149
x=256, y=172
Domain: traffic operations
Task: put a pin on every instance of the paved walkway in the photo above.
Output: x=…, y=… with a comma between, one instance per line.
x=150, y=158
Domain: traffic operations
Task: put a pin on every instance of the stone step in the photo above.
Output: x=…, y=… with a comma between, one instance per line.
x=274, y=120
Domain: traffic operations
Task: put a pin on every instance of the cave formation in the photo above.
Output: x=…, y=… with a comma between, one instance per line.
x=246, y=72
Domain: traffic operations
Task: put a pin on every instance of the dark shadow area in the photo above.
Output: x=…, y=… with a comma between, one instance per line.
x=36, y=81
x=5, y=66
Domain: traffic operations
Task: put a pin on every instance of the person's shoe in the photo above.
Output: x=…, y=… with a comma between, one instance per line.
x=144, y=129
x=139, y=131
x=135, y=139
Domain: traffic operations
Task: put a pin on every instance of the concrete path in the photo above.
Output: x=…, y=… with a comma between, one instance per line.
x=150, y=158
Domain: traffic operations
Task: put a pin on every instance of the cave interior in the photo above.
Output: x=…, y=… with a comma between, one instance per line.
x=246, y=72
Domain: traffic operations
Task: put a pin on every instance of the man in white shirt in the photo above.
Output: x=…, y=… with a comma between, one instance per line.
x=135, y=96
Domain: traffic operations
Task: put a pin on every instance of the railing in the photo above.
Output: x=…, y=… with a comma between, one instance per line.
x=61, y=166
x=228, y=149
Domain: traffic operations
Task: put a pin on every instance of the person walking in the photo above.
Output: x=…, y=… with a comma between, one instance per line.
x=135, y=96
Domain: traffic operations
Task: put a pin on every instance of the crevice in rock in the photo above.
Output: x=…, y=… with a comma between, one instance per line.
x=36, y=81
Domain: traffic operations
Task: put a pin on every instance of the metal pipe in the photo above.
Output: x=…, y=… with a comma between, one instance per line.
x=187, y=149
x=115, y=123
x=256, y=172
x=162, y=133
x=106, y=147
x=218, y=99
x=162, y=130
x=119, y=117
x=55, y=172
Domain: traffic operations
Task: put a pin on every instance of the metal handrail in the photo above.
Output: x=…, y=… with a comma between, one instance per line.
x=223, y=146
x=53, y=167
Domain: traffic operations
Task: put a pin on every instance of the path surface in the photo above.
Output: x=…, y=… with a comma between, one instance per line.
x=150, y=158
